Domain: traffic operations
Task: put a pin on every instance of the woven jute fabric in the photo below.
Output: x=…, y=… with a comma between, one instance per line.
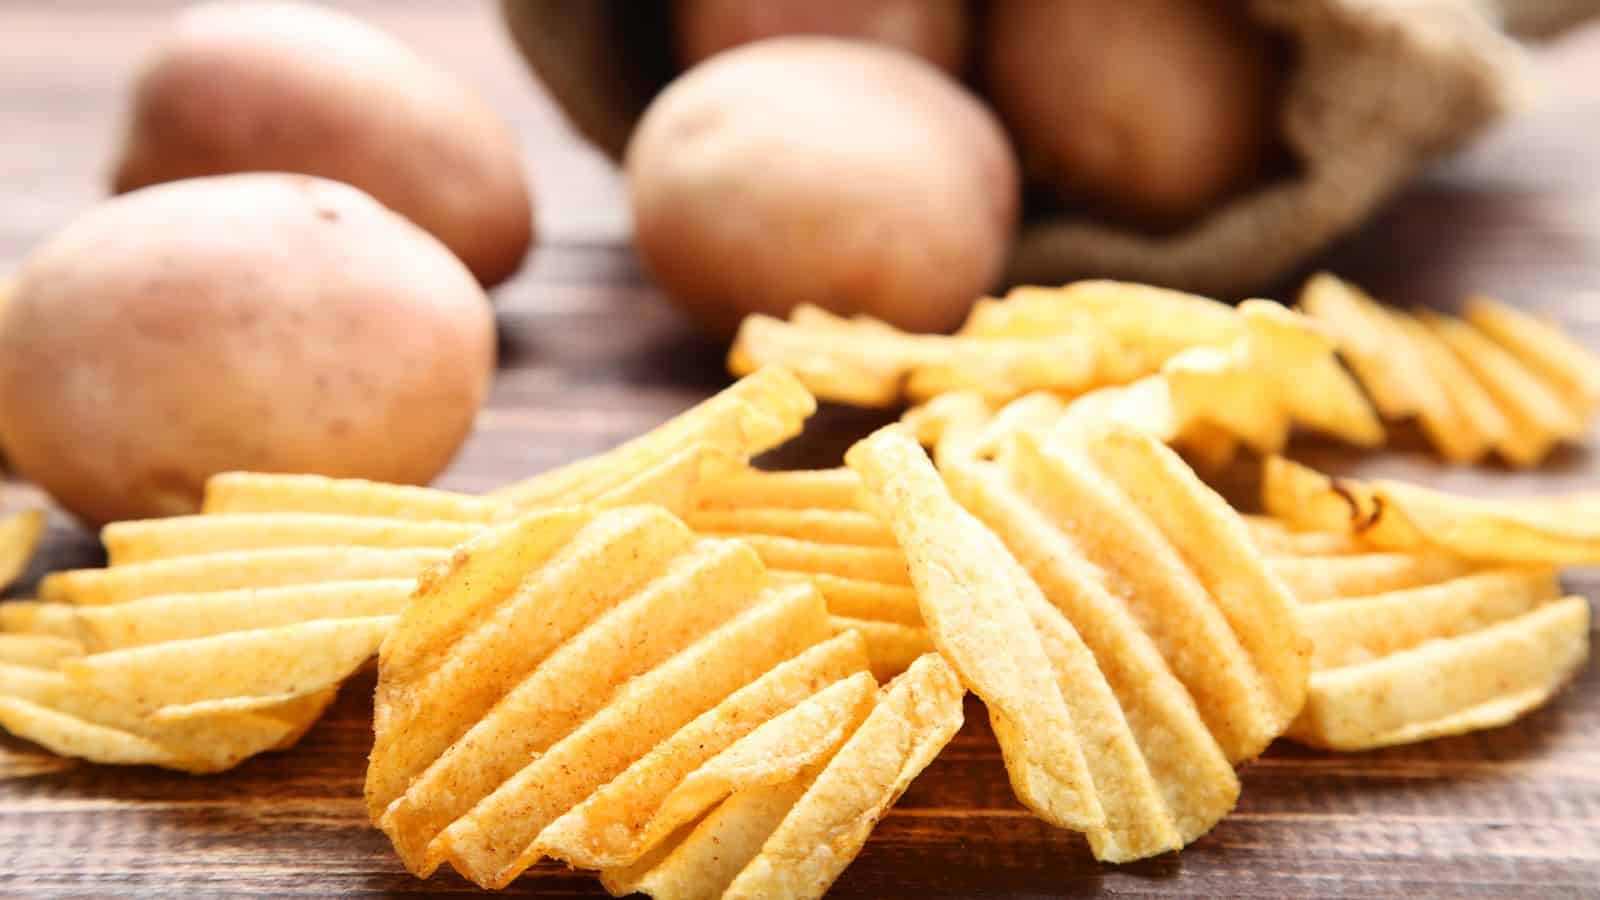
x=1375, y=89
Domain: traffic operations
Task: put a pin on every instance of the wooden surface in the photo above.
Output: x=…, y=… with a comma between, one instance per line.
x=590, y=355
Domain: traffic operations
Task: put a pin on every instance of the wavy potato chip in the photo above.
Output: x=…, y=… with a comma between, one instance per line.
x=794, y=837
x=1459, y=654
x=809, y=525
x=153, y=539
x=664, y=465
x=1114, y=616
x=1393, y=515
x=255, y=492
x=505, y=703
x=1497, y=381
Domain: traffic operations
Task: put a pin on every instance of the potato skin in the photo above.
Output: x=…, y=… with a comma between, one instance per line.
x=293, y=88
x=272, y=322
x=807, y=169
x=1153, y=109
x=935, y=30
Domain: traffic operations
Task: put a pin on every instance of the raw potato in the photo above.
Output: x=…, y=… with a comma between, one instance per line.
x=269, y=322
x=815, y=170
x=284, y=87
x=1152, y=109
x=935, y=30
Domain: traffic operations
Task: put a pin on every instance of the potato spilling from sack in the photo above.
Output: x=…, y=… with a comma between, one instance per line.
x=814, y=170
x=265, y=322
x=286, y=87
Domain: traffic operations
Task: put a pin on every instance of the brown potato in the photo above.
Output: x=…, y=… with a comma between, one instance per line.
x=935, y=30
x=1153, y=109
x=290, y=88
x=272, y=322
x=817, y=170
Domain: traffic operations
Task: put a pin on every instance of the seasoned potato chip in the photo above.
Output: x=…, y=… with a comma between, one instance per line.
x=233, y=570
x=1497, y=381
x=755, y=414
x=19, y=538
x=793, y=838
x=1410, y=518
x=41, y=651
x=153, y=539
x=252, y=492
x=808, y=525
x=623, y=648
x=1113, y=614
x=288, y=661
x=44, y=706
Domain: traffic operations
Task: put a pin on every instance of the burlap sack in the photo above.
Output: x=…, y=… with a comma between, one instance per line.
x=1377, y=88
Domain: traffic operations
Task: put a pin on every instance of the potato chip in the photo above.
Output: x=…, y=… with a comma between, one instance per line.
x=40, y=651
x=1473, y=653
x=1396, y=516
x=863, y=362
x=153, y=539
x=19, y=538
x=1276, y=374
x=44, y=706
x=1113, y=615
x=506, y=703
x=807, y=524
x=287, y=661
x=1497, y=381
x=279, y=567
x=793, y=838
x=755, y=414
x=253, y=492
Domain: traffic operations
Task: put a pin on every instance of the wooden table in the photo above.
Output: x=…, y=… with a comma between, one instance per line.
x=591, y=354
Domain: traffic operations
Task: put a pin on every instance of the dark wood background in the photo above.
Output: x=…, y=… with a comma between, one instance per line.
x=591, y=354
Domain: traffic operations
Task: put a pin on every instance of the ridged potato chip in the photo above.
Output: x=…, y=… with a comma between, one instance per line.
x=1455, y=652
x=663, y=466
x=254, y=492
x=1409, y=518
x=808, y=525
x=1497, y=381
x=585, y=688
x=1113, y=614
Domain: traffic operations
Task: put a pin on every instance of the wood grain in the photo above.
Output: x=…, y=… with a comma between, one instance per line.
x=590, y=355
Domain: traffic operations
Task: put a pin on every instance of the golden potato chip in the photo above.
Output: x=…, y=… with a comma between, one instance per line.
x=755, y=414
x=19, y=538
x=1440, y=669
x=1316, y=578
x=44, y=706
x=153, y=539
x=793, y=838
x=1393, y=515
x=1560, y=362
x=253, y=492
x=1277, y=373
x=506, y=702
x=286, y=661
x=1497, y=381
x=1114, y=616
x=807, y=524
x=868, y=363
x=33, y=617
x=41, y=651
x=1277, y=539
x=279, y=567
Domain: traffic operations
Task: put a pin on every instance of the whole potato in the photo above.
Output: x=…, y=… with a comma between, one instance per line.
x=1154, y=109
x=935, y=30
x=834, y=172
x=294, y=88
x=272, y=322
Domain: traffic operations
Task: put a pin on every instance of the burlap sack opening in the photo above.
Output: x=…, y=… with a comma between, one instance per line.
x=1376, y=88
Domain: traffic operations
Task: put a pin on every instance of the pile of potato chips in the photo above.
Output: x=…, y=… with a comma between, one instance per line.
x=702, y=679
